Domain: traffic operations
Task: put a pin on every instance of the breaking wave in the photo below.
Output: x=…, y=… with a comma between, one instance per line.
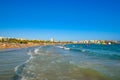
x=63, y=63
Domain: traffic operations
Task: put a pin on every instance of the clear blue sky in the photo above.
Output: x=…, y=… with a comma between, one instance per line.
x=60, y=19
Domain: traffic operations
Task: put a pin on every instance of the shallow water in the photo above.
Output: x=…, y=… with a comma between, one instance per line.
x=9, y=59
x=72, y=62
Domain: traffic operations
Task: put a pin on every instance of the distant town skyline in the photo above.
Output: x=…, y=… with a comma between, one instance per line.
x=60, y=19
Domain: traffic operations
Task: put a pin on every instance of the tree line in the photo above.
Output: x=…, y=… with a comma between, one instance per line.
x=24, y=41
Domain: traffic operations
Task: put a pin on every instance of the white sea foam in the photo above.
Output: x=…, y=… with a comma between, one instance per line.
x=66, y=48
x=83, y=50
x=60, y=47
x=63, y=47
x=23, y=78
x=16, y=68
x=36, y=51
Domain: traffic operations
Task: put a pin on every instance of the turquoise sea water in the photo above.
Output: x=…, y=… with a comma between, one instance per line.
x=62, y=62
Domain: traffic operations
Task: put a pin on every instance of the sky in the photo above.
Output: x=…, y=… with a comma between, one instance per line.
x=60, y=19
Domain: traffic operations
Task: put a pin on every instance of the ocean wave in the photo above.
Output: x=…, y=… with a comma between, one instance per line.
x=19, y=69
x=50, y=67
x=47, y=64
x=63, y=47
x=99, y=53
x=60, y=47
x=79, y=50
x=66, y=48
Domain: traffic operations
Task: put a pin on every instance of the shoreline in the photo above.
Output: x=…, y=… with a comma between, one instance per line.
x=4, y=46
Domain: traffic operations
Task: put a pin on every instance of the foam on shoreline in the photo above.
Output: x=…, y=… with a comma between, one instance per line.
x=18, y=69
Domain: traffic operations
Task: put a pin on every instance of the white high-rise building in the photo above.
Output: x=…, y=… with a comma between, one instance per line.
x=51, y=40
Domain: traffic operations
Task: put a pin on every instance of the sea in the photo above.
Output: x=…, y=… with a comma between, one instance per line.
x=61, y=62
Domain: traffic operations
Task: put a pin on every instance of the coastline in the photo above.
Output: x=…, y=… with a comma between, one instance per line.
x=22, y=56
x=4, y=46
x=12, y=55
x=18, y=53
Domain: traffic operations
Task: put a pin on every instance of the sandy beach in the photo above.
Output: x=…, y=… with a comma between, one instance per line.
x=17, y=45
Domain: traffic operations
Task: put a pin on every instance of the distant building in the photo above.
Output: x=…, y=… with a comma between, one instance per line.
x=21, y=39
x=51, y=40
x=75, y=41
